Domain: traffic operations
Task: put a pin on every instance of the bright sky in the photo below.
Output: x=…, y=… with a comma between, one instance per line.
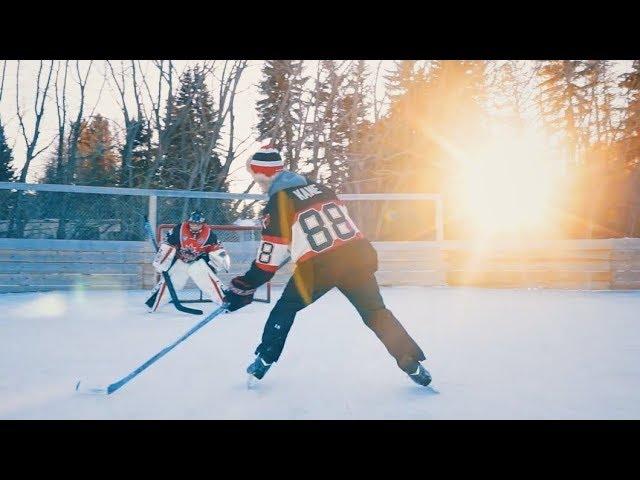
x=103, y=98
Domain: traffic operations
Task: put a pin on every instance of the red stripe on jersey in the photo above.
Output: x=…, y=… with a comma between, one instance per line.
x=336, y=243
x=272, y=239
x=266, y=267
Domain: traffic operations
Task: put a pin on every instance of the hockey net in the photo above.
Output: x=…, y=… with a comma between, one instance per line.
x=241, y=243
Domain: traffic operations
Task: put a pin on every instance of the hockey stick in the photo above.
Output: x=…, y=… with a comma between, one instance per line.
x=167, y=278
x=109, y=389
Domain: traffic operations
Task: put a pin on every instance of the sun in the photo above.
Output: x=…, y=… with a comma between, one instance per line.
x=507, y=186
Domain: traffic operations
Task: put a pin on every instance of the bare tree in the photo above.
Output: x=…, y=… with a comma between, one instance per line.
x=70, y=166
x=316, y=103
x=39, y=109
x=282, y=112
x=378, y=105
x=510, y=83
x=4, y=70
x=132, y=124
x=226, y=101
x=18, y=220
x=165, y=81
x=61, y=111
x=76, y=126
x=563, y=106
x=200, y=175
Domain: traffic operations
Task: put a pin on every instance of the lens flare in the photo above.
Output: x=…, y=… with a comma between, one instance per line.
x=508, y=186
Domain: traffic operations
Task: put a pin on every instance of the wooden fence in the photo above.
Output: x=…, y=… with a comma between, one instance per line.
x=35, y=265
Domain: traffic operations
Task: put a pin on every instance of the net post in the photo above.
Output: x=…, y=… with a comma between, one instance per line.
x=153, y=212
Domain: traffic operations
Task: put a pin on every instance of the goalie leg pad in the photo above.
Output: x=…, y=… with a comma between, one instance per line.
x=160, y=294
x=164, y=258
x=207, y=281
x=154, y=294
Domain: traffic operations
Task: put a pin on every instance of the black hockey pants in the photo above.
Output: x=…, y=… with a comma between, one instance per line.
x=350, y=269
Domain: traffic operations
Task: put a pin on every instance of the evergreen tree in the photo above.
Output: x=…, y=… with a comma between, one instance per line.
x=353, y=109
x=437, y=119
x=141, y=153
x=631, y=122
x=630, y=146
x=599, y=90
x=7, y=171
x=511, y=92
x=191, y=158
x=191, y=150
x=434, y=124
x=7, y=174
x=334, y=142
x=317, y=104
x=401, y=79
x=281, y=111
x=564, y=104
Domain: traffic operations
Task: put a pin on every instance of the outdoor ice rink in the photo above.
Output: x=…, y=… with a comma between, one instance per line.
x=493, y=354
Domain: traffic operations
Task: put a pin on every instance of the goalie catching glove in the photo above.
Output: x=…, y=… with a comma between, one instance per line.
x=239, y=294
x=219, y=259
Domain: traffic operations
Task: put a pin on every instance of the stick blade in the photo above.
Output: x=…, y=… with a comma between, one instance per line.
x=86, y=389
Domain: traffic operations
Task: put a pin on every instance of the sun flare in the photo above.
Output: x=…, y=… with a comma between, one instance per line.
x=508, y=186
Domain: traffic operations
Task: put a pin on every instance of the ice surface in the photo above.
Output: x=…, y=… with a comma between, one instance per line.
x=493, y=354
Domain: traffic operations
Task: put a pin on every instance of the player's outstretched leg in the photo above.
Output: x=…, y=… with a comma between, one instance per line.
x=364, y=294
x=399, y=344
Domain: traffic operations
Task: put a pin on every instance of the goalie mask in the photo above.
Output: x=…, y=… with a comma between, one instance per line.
x=196, y=221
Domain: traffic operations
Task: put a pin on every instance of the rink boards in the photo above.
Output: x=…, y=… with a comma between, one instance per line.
x=40, y=265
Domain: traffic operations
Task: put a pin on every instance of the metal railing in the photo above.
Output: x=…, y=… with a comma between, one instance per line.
x=113, y=213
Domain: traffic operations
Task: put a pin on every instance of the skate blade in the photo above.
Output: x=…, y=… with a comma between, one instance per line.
x=252, y=382
x=432, y=389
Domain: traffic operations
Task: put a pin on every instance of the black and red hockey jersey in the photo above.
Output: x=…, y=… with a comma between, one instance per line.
x=302, y=220
x=189, y=246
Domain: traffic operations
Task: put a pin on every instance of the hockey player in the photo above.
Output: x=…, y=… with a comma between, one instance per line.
x=191, y=249
x=305, y=220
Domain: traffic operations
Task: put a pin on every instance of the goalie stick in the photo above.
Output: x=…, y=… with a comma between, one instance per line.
x=167, y=278
x=109, y=389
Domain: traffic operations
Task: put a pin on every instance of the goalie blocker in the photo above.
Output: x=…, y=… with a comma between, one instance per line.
x=191, y=250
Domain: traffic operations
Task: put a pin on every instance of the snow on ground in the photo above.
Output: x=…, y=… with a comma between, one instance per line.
x=493, y=354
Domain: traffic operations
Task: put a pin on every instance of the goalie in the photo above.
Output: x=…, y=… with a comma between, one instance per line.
x=190, y=250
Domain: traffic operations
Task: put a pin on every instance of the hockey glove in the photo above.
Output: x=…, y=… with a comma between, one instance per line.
x=239, y=294
x=219, y=259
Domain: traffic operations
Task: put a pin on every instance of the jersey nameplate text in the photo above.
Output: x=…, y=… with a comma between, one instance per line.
x=306, y=192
